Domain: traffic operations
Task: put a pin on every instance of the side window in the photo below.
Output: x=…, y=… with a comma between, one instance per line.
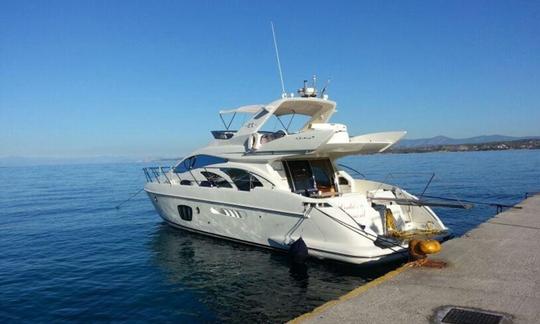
x=321, y=177
x=198, y=161
x=300, y=177
x=323, y=171
x=216, y=180
x=186, y=213
x=242, y=179
x=309, y=177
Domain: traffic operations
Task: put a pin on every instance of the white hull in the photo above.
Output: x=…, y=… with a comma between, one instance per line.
x=271, y=224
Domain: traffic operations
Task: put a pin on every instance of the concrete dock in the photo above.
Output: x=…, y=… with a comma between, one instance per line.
x=494, y=267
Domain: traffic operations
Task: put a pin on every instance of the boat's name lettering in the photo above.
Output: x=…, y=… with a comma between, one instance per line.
x=299, y=138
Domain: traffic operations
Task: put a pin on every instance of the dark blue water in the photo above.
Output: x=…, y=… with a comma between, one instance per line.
x=67, y=254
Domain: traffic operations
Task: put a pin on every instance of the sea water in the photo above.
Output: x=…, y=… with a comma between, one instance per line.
x=66, y=254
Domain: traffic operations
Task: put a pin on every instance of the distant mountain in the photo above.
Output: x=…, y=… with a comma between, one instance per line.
x=443, y=140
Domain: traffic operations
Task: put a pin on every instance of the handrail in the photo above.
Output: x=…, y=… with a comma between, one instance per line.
x=153, y=174
x=164, y=174
x=391, y=175
x=148, y=178
x=351, y=169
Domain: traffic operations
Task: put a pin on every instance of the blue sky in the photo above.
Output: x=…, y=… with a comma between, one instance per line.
x=146, y=78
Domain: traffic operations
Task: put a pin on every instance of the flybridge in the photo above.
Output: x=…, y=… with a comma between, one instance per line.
x=317, y=137
x=308, y=104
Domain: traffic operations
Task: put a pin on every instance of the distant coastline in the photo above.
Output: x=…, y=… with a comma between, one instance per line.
x=521, y=144
x=421, y=145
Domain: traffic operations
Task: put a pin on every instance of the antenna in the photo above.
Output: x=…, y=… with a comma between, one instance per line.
x=283, y=93
x=325, y=87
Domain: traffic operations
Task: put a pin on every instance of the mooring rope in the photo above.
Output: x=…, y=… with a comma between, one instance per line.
x=361, y=232
x=498, y=205
x=132, y=196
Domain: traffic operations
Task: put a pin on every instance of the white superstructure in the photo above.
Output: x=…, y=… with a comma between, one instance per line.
x=272, y=188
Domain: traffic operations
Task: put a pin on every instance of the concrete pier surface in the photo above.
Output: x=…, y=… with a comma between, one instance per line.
x=494, y=267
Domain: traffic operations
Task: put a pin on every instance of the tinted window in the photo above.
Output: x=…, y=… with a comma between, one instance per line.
x=309, y=177
x=321, y=177
x=216, y=180
x=198, y=161
x=186, y=213
x=243, y=180
x=300, y=177
x=323, y=171
x=184, y=165
x=204, y=160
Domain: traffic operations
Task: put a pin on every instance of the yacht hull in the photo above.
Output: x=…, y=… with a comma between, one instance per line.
x=275, y=223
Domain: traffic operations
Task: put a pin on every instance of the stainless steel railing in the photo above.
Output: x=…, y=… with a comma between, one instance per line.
x=157, y=174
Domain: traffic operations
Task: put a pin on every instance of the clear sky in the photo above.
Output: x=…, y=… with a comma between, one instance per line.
x=146, y=78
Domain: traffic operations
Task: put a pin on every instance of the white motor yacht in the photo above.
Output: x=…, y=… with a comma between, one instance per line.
x=271, y=188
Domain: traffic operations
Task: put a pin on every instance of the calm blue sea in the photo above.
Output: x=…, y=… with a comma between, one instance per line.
x=66, y=254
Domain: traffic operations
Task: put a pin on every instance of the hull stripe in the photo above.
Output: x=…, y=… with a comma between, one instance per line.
x=229, y=204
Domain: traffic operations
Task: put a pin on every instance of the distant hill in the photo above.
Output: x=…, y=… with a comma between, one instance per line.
x=520, y=144
x=443, y=140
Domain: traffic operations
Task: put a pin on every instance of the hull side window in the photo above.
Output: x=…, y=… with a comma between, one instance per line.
x=242, y=179
x=216, y=180
x=186, y=213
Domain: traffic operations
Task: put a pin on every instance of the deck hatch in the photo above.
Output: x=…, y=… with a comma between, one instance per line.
x=464, y=316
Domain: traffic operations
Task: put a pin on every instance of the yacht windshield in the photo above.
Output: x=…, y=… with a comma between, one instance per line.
x=289, y=123
x=197, y=161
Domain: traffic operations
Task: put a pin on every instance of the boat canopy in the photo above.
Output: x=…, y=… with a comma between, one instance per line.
x=305, y=107
x=319, y=110
x=249, y=109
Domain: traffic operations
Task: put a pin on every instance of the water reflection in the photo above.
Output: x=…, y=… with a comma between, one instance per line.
x=240, y=282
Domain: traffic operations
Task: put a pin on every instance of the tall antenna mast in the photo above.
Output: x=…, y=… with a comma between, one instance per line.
x=283, y=93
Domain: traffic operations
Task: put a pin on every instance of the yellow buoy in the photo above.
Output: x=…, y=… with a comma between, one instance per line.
x=430, y=246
